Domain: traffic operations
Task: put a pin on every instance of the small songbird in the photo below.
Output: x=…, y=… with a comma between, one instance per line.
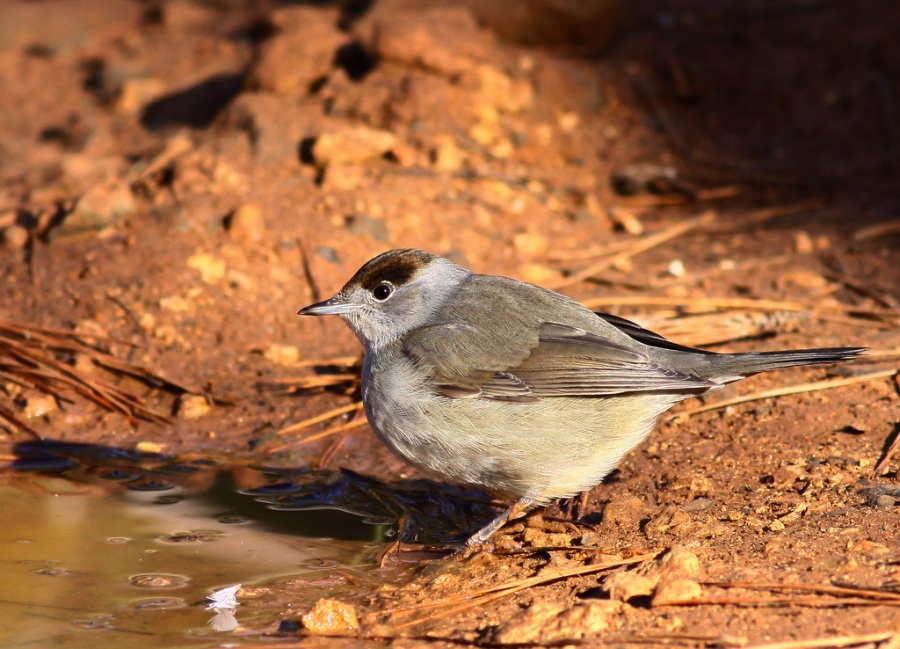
x=489, y=382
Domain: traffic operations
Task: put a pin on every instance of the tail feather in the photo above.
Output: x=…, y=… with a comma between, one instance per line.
x=731, y=367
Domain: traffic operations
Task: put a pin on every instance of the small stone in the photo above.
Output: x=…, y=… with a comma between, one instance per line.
x=568, y=121
x=785, y=476
x=354, y=144
x=193, y=406
x=776, y=526
x=803, y=243
x=212, y=269
x=286, y=355
x=676, y=268
x=676, y=591
x=446, y=155
x=149, y=448
x=303, y=51
x=585, y=619
x=679, y=561
x=527, y=626
x=368, y=226
x=39, y=405
x=626, y=512
x=14, y=237
x=530, y=244
x=246, y=224
x=328, y=253
x=444, y=41
x=329, y=616
x=624, y=586
x=499, y=91
x=147, y=321
x=885, y=500
x=866, y=546
x=137, y=93
x=671, y=520
x=99, y=207
x=173, y=304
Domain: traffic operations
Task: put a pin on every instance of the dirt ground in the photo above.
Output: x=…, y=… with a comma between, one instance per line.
x=179, y=178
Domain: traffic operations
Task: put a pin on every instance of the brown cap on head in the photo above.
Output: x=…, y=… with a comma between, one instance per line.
x=396, y=267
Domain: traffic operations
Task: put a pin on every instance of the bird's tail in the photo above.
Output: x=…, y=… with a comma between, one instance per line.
x=731, y=367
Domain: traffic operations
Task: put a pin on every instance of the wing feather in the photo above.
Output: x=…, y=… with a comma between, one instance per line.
x=528, y=364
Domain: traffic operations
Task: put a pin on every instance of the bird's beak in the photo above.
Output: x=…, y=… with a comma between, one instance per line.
x=332, y=306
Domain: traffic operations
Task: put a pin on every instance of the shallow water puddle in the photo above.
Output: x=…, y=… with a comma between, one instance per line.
x=126, y=556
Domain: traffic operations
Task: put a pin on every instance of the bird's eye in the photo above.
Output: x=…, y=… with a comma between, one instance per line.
x=382, y=292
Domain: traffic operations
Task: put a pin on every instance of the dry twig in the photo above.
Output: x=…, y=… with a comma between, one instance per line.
x=29, y=359
x=485, y=595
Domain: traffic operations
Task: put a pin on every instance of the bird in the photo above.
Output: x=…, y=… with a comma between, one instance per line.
x=492, y=383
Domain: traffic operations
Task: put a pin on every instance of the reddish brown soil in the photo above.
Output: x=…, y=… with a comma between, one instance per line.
x=164, y=173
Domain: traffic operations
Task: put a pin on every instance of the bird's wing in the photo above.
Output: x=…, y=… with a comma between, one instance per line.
x=650, y=338
x=533, y=363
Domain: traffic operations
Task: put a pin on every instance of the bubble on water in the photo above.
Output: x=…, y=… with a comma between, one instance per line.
x=233, y=519
x=51, y=572
x=159, y=581
x=98, y=621
x=194, y=536
x=118, y=540
x=157, y=603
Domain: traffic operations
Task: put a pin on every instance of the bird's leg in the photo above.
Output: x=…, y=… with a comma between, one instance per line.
x=515, y=510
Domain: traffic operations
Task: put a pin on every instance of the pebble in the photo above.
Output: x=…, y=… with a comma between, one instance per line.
x=368, y=226
x=330, y=616
x=38, y=405
x=585, y=619
x=99, y=207
x=803, y=243
x=246, y=224
x=680, y=561
x=676, y=268
x=193, y=406
x=135, y=94
x=173, y=304
x=211, y=268
x=302, y=53
x=14, y=237
x=554, y=622
x=149, y=448
x=443, y=41
x=624, y=586
x=352, y=144
x=626, y=512
x=530, y=244
x=286, y=355
x=675, y=591
x=501, y=92
x=527, y=626
x=446, y=155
